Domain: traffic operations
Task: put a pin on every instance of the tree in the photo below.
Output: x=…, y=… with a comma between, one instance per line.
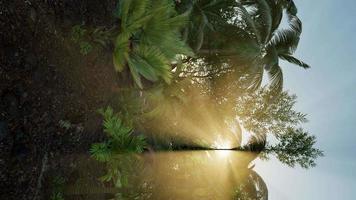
x=262, y=113
x=295, y=146
x=247, y=35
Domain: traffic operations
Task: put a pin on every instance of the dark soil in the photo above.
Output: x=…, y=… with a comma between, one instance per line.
x=44, y=82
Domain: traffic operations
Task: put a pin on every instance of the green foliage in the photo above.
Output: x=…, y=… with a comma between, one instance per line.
x=85, y=48
x=116, y=151
x=120, y=168
x=65, y=124
x=296, y=147
x=205, y=16
x=274, y=42
x=57, y=185
x=241, y=193
x=79, y=37
x=245, y=33
x=101, y=152
x=120, y=138
x=78, y=33
x=261, y=112
x=87, y=39
x=57, y=196
x=149, y=39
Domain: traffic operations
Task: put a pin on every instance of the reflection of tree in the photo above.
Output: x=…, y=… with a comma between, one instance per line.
x=190, y=175
x=254, y=188
x=126, y=172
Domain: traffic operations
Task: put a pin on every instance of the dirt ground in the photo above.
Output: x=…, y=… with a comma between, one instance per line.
x=49, y=92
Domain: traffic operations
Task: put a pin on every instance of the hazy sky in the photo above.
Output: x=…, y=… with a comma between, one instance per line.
x=327, y=92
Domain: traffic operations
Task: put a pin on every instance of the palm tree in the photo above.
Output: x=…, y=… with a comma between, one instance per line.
x=205, y=15
x=250, y=35
x=274, y=43
x=149, y=39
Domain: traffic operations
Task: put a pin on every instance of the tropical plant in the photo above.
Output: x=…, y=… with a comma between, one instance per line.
x=121, y=138
x=205, y=16
x=248, y=35
x=263, y=19
x=149, y=39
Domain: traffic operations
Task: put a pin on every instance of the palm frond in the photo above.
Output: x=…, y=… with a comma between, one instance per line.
x=277, y=14
x=121, y=51
x=124, y=8
x=133, y=69
x=121, y=138
x=291, y=7
x=264, y=19
x=156, y=61
x=139, y=8
x=276, y=78
x=250, y=23
x=295, y=23
x=285, y=41
x=148, y=24
x=294, y=60
x=100, y=152
x=255, y=78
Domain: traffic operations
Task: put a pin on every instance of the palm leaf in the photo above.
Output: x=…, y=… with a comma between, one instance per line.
x=276, y=78
x=285, y=41
x=121, y=50
x=139, y=7
x=265, y=22
x=153, y=24
x=100, y=152
x=256, y=77
x=294, y=60
x=156, y=60
x=295, y=23
x=124, y=8
x=144, y=68
x=246, y=17
x=135, y=75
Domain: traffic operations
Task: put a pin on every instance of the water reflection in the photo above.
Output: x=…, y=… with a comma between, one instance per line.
x=219, y=174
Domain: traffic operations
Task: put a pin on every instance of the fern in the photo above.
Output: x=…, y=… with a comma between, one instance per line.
x=101, y=152
x=121, y=139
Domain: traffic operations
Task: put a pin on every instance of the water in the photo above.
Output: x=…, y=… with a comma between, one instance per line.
x=178, y=175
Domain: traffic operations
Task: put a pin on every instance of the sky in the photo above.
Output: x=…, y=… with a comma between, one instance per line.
x=327, y=93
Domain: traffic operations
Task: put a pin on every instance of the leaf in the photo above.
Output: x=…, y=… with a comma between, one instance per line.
x=276, y=78
x=144, y=68
x=265, y=19
x=295, y=23
x=246, y=17
x=106, y=178
x=285, y=41
x=134, y=72
x=294, y=60
x=121, y=51
x=123, y=11
x=100, y=152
